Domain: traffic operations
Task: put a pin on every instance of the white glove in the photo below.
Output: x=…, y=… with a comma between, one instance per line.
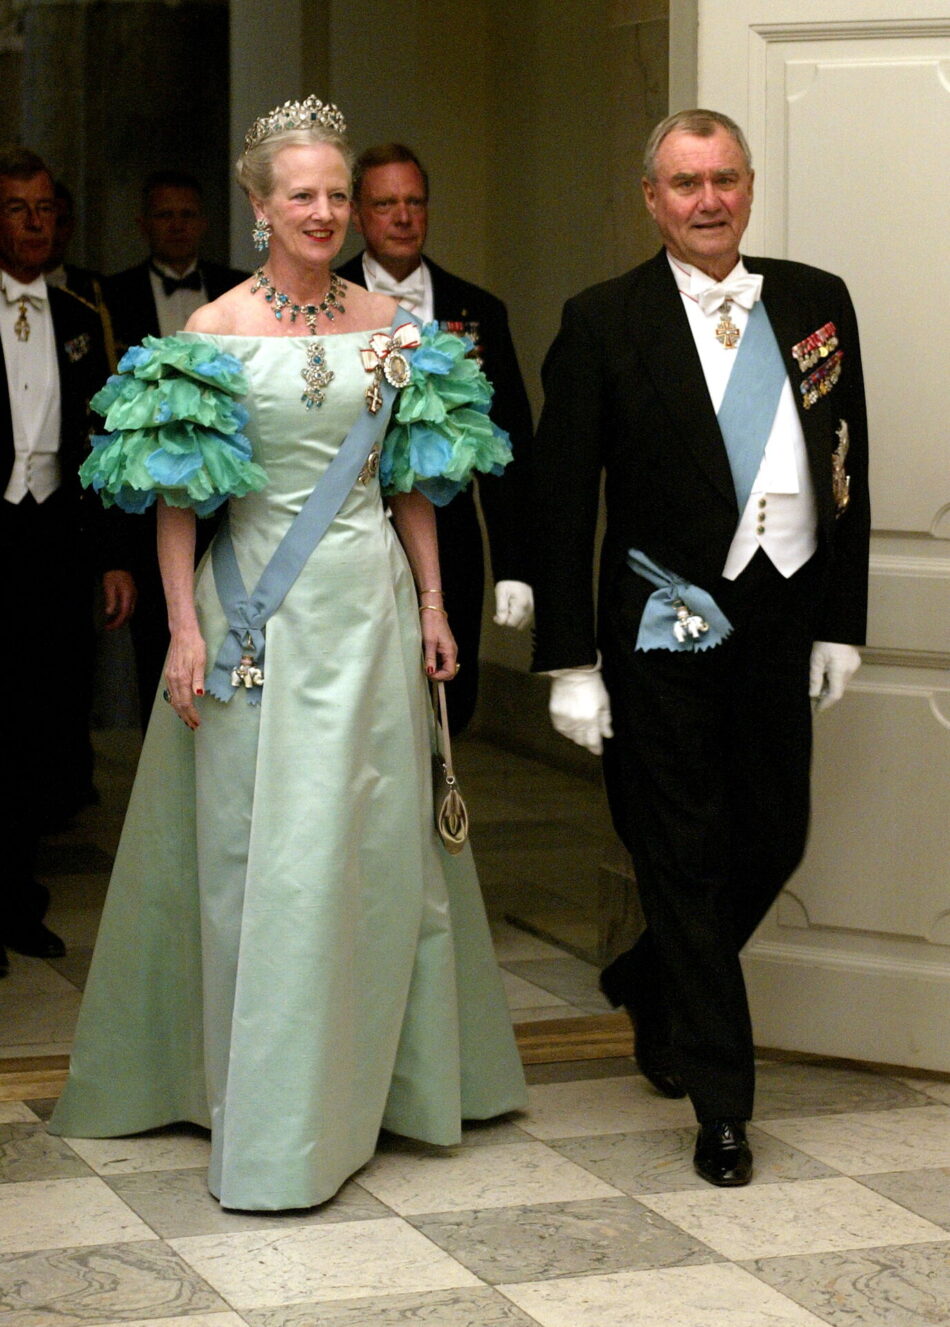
x=832, y=668
x=580, y=707
x=514, y=604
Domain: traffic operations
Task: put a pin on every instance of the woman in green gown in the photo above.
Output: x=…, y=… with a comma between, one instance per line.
x=287, y=954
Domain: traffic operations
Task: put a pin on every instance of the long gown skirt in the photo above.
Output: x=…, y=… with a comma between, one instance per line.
x=287, y=954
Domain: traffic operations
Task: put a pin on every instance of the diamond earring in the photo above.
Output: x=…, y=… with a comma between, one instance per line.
x=261, y=232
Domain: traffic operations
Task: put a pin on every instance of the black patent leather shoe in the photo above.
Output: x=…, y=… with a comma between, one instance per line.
x=723, y=1155
x=35, y=940
x=652, y=1055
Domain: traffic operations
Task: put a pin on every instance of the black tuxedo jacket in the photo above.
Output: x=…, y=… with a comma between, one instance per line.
x=101, y=535
x=503, y=497
x=625, y=395
x=84, y=282
x=131, y=304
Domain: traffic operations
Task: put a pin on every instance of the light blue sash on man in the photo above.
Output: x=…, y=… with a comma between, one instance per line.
x=247, y=614
x=745, y=418
x=748, y=408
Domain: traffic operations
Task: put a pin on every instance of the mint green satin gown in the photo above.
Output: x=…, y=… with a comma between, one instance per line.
x=287, y=954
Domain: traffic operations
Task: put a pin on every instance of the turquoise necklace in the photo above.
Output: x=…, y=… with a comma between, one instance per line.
x=331, y=303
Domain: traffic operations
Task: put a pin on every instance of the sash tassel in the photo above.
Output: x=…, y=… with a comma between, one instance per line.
x=678, y=615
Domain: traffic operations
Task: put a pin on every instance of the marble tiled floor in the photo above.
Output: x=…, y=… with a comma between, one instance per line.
x=582, y=1210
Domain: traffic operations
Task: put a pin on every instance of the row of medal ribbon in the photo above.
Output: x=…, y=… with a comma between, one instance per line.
x=815, y=347
x=820, y=383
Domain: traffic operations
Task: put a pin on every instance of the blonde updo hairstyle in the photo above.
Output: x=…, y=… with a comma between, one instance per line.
x=255, y=165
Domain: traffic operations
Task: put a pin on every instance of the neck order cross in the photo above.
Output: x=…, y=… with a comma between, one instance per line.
x=331, y=303
x=22, y=325
x=727, y=333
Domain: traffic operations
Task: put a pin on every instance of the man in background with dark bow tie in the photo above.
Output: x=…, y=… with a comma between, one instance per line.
x=156, y=298
x=391, y=212
x=52, y=540
x=722, y=397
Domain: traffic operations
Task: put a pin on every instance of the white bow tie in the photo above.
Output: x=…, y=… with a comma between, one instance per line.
x=35, y=292
x=410, y=293
x=744, y=289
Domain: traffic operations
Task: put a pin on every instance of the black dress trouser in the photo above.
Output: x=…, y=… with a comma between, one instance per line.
x=49, y=649
x=708, y=777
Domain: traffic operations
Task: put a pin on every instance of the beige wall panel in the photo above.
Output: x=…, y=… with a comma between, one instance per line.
x=859, y=1010
x=878, y=858
x=879, y=193
x=910, y=600
x=854, y=959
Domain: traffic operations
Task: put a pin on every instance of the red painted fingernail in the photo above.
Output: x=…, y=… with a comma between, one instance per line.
x=199, y=692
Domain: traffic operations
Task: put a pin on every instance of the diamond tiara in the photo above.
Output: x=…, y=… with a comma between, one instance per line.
x=295, y=115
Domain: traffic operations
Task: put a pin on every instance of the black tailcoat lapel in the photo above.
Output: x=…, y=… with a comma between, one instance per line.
x=6, y=426
x=660, y=327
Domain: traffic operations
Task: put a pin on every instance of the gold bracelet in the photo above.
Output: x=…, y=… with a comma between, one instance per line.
x=430, y=591
x=431, y=608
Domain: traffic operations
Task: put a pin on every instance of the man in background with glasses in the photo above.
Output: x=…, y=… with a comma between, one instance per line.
x=51, y=541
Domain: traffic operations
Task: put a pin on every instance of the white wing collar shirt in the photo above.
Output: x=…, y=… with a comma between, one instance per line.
x=780, y=516
x=176, y=308
x=33, y=381
x=414, y=293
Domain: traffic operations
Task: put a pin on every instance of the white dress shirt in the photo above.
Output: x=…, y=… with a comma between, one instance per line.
x=780, y=516
x=414, y=293
x=33, y=382
x=174, y=310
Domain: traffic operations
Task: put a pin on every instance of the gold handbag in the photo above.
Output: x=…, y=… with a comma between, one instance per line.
x=451, y=817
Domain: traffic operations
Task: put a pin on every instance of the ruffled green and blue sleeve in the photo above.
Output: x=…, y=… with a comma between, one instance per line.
x=174, y=429
x=440, y=433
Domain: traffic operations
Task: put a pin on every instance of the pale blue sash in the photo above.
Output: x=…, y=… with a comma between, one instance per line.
x=747, y=411
x=745, y=417
x=247, y=614
x=661, y=612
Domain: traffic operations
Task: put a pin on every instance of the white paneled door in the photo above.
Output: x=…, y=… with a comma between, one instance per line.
x=847, y=108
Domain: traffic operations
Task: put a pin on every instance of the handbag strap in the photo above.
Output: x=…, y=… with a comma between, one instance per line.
x=443, y=739
x=747, y=410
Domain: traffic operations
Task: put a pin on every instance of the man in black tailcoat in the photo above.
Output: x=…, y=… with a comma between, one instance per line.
x=733, y=590
x=390, y=210
x=81, y=281
x=52, y=539
x=156, y=298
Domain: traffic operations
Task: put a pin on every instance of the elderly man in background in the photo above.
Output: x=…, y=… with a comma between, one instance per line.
x=391, y=212
x=722, y=396
x=52, y=361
